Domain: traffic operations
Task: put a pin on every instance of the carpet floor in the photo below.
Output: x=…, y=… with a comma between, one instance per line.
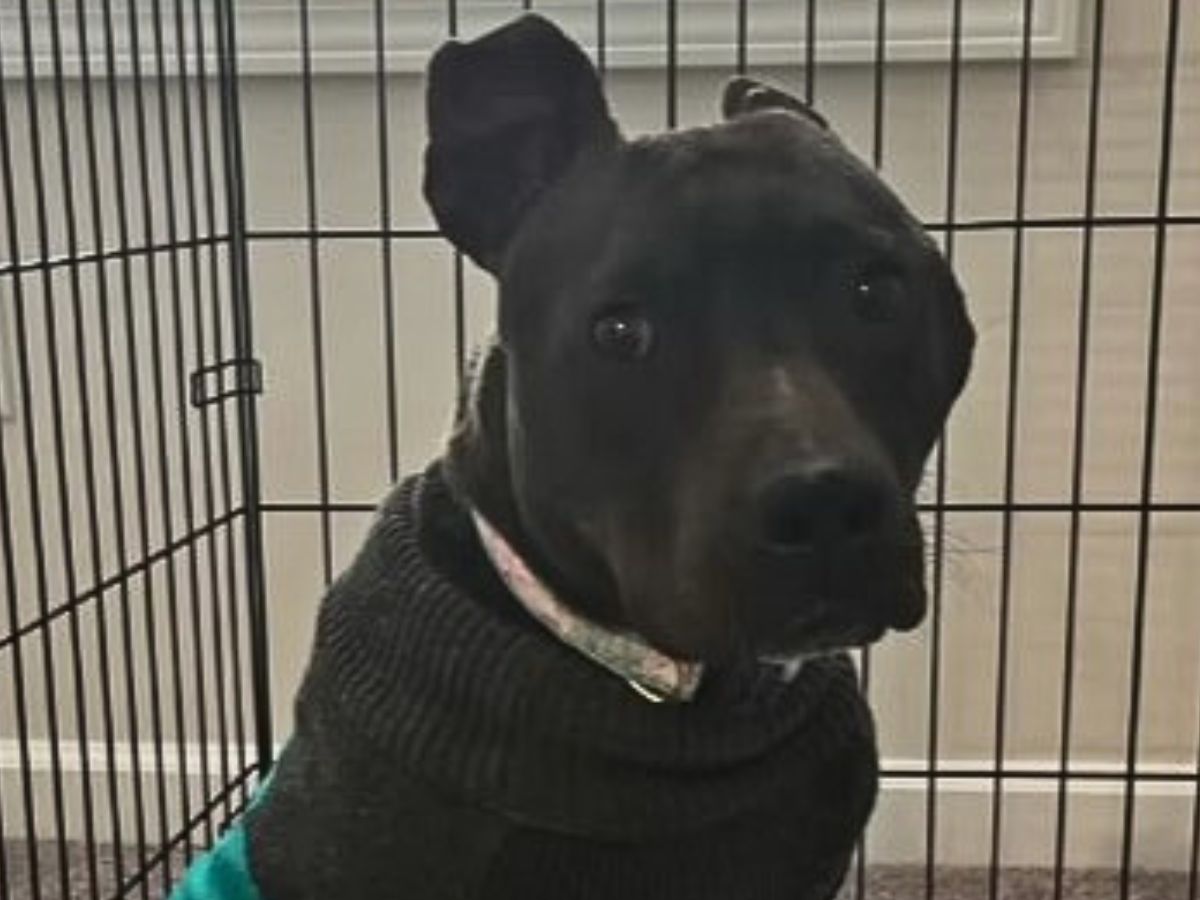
x=882, y=882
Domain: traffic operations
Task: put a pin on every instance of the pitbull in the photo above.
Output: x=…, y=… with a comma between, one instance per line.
x=597, y=650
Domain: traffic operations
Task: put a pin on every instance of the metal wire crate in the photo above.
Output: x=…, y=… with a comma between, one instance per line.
x=226, y=323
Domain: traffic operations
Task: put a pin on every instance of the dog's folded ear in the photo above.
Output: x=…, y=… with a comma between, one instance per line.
x=744, y=95
x=508, y=114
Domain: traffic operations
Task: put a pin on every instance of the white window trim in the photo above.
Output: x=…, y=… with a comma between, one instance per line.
x=344, y=42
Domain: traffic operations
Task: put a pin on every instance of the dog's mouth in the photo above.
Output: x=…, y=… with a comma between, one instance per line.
x=812, y=628
x=717, y=601
x=822, y=612
x=816, y=634
x=758, y=615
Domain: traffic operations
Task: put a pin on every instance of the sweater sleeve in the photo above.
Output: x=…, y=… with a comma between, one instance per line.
x=223, y=873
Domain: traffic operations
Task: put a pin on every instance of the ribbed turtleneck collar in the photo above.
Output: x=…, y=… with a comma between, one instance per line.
x=510, y=718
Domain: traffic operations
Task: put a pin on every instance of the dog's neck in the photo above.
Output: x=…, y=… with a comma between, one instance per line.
x=651, y=673
x=508, y=567
x=455, y=544
x=465, y=543
x=478, y=470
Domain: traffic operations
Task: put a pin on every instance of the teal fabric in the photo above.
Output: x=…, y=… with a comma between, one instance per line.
x=223, y=873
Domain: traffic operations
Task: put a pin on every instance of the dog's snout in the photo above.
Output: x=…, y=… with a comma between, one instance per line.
x=822, y=505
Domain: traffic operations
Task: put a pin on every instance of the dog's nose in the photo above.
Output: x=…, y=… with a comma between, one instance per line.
x=821, y=505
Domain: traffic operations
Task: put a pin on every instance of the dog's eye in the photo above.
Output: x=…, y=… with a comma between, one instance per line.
x=878, y=295
x=623, y=333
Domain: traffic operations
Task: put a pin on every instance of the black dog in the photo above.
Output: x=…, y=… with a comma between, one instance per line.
x=724, y=355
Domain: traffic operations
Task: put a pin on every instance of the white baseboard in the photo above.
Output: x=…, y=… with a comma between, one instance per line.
x=71, y=760
x=964, y=806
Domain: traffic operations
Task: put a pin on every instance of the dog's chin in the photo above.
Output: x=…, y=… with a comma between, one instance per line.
x=816, y=639
x=778, y=628
x=780, y=646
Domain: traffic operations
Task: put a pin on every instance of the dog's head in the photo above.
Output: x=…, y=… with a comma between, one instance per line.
x=724, y=355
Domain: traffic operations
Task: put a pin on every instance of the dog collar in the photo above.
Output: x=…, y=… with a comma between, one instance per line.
x=654, y=675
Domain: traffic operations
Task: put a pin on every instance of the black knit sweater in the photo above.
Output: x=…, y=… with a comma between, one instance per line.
x=447, y=748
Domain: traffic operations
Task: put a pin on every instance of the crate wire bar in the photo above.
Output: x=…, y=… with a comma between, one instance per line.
x=138, y=508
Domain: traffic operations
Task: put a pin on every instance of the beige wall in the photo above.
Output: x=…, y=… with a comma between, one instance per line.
x=915, y=161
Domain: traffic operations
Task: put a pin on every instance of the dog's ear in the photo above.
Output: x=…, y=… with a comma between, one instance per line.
x=744, y=95
x=508, y=114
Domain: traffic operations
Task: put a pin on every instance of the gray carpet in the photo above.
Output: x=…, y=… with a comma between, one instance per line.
x=908, y=883
x=883, y=882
